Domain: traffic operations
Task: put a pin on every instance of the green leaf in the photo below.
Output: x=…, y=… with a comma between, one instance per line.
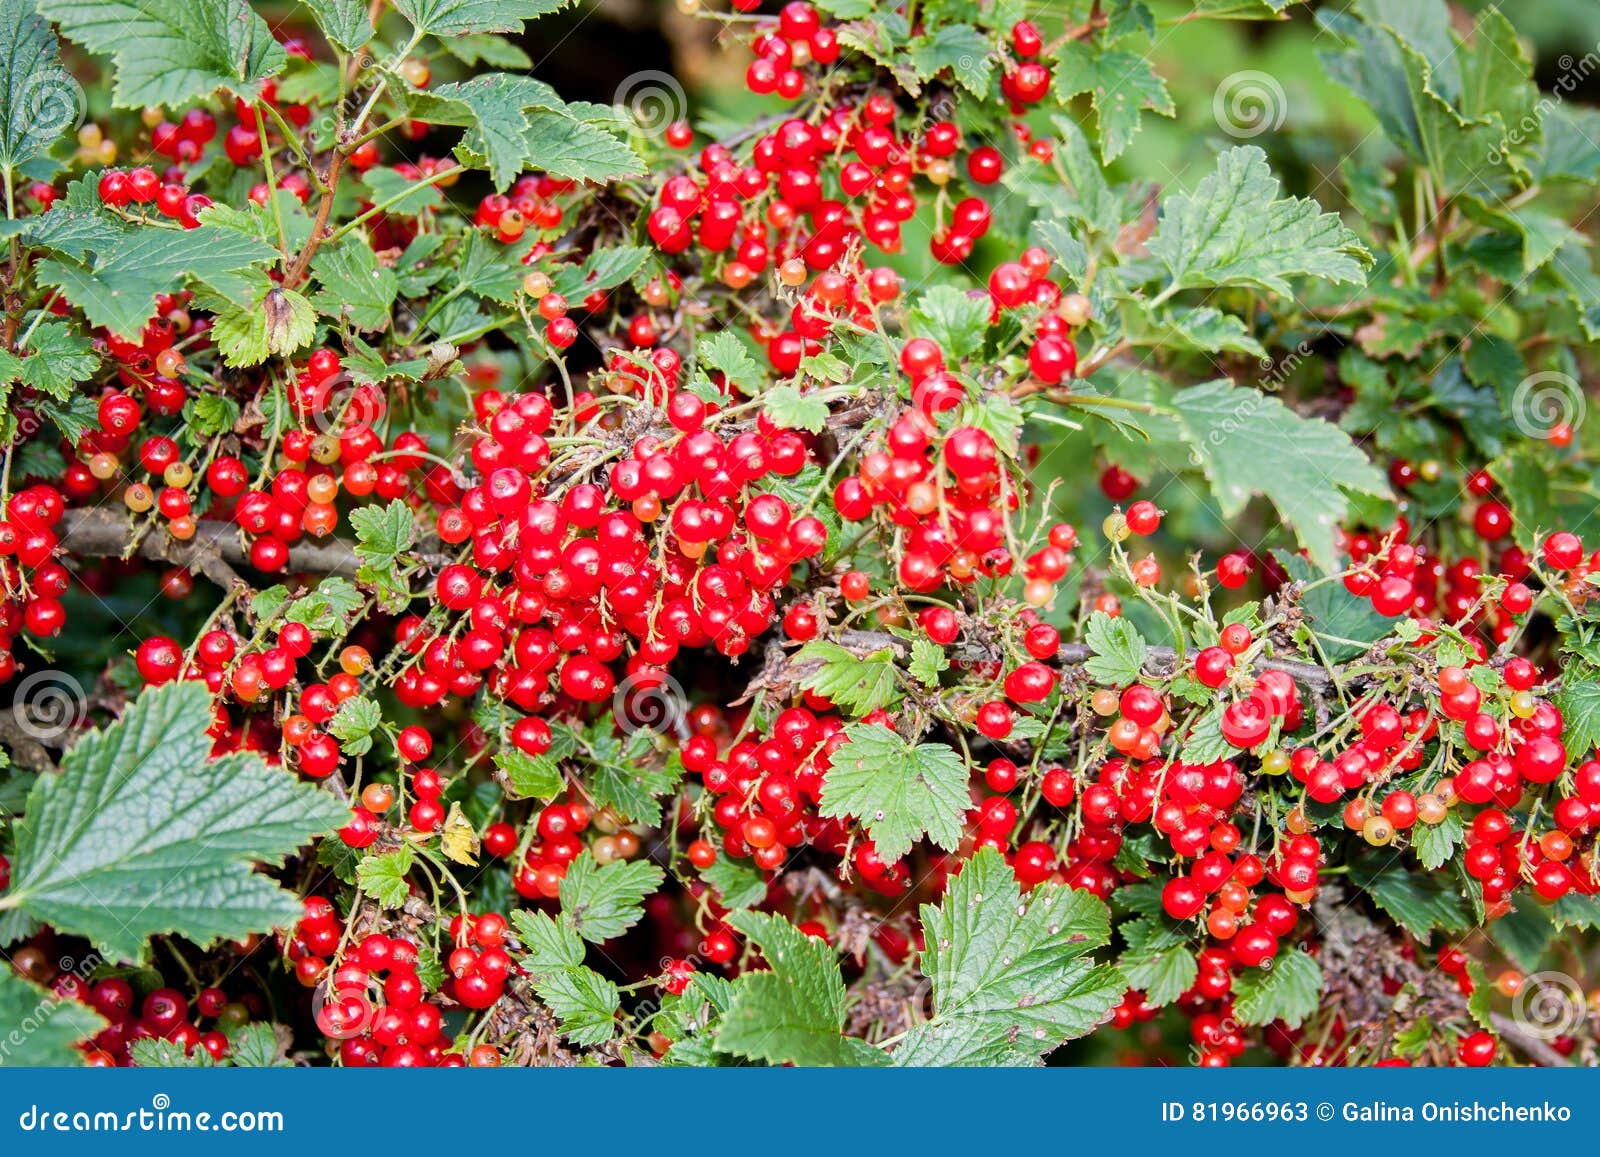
x=116, y=285
x=1345, y=624
x=1251, y=443
x=623, y=776
x=172, y=54
x=1579, y=701
x=897, y=791
x=445, y=18
x=1234, y=229
x=738, y=885
x=1121, y=85
x=1436, y=843
x=1289, y=990
x=1012, y=976
x=1119, y=650
x=342, y=21
x=207, y=415
x=583, y=1001
x=603, y=269
x=383, y=535
x=724, y=353
x=383, y=875
x=604, y=902
x=962, y=49
x=353, y=724
x=787, y=407
x=928, y=662
x=951, y=318
x=155, y=1053
x=1161, y=976
x=144, y=833
x=58, y=359
x=277, y=325
x=256, y=1046
x=1419, y=903
x=1525, y=933
x=855, y=683
x=492, y=107
x=42, y=1027
x=404, y=196
x=565, y=146
x=354, y=286
x=1205, y=742
x=793, y=1013
x=39, y=99
x=530, y=776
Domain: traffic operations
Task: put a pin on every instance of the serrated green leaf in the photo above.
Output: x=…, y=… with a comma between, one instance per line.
x=383, y=875
x=342, y=21
x=1251, y=443
x=39, y=99
x=279, y=324
x=794, y=1012
x=1121, y=85
x=961, y=48
x=530, y=776
x=1436, y=843
x=583, y=1001
x=787, y=407
x=1012, y=976
x=172, y=54
x=1419, y=903
x=446, y=18
x=602, y=902
x=256, y=1046
x=1205, y=742
x=951, y=318
x=603, y=269
x=42, y=1027
x=1119, y=650
x=58, y=359
x=928, y=662
x=403, y=196
x=724, y=353
x=1236, y=230
x=1163, y=976
x=1289, y=990
x=856, y=683
x=1579, y=701
x=738, y=885
x=565, y=146
x=116, y=285
x=897, y=791
x=1345, y=624
x=354, y=286
x=156, y=1053
x=1524, y=934
x=144, y=833
x=353, y=724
